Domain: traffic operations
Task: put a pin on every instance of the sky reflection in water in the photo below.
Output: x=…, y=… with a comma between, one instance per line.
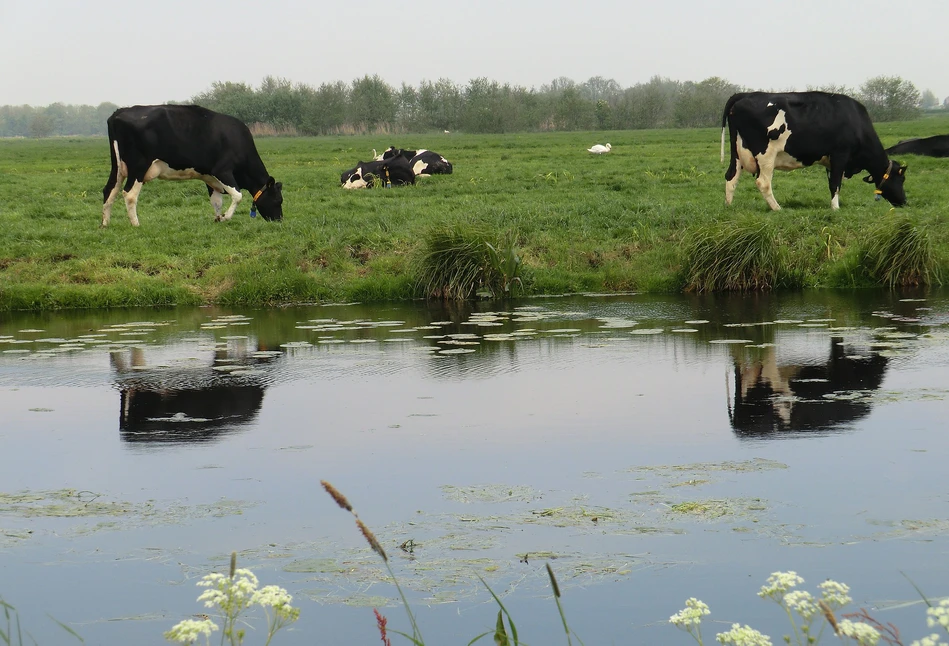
x=626, y=440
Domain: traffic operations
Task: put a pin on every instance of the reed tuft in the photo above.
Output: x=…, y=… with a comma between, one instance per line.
x=459, y=262
x=899, y=253
x=734, y=256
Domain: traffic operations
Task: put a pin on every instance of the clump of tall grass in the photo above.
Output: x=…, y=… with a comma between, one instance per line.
x=734, y=256
x=458, y=263
x=899, y=253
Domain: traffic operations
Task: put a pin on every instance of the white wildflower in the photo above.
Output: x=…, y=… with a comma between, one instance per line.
x=744, y=636
x=938, y=615
x=802, y=603
x=691, y=615
x=836, y=595
x=778, y=584
x=864, y=634
x=932, y=640
x=188, y=631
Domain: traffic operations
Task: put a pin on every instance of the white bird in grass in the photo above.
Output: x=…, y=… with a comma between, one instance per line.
x=599, y=149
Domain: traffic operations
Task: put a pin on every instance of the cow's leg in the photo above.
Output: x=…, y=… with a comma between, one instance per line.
x=217, y=201
x=765, y=173
x=131, y=200
x=835, y=178
x=111, y=190
x=236, y=197
x=731, y=179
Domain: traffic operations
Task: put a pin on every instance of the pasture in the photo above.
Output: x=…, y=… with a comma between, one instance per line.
x=580, y=222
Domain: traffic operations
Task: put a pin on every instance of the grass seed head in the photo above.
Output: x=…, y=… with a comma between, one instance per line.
x=370, y=537
x=337, y=496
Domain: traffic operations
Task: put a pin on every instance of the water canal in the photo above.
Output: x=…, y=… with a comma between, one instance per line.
x=649, y=448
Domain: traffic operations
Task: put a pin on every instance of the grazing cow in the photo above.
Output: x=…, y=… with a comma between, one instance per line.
x=937, y=146
x=796, y=129
x=187, y=142
x=393, y=172
x=423, y=162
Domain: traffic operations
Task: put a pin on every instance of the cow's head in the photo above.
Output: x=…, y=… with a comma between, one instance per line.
x=890, y=184
x=270, y=200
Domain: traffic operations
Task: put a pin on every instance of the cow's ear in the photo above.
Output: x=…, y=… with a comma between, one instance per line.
x=869, y=179
x=278, y=186
x=901, y=170
x=270, y=181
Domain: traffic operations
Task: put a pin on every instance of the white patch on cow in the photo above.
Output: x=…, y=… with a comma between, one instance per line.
x=770, y=104
x=768, y=160
x=161, y=170
x=835, y=201
x=419, y=168
x=419, y=152
x=356, y=180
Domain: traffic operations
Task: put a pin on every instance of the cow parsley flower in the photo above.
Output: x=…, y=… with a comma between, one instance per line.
x=938, y=615
x=188, y=631
x=836, y=595
x=743, y=636
x=864, y=634
x=778, y=584
x=802, y=603
x=931, y=640
x=691, y=615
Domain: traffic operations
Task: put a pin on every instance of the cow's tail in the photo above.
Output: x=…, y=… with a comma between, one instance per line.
x=728, y=107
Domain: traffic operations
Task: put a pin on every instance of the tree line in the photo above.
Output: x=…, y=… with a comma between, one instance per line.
x=370, y=105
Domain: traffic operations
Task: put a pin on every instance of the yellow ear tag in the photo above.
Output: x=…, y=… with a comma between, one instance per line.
x=878, y=192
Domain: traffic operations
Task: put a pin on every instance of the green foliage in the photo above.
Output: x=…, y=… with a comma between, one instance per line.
x=733, y=256
x=899, y=253
x=457, y=262
x=890, y=98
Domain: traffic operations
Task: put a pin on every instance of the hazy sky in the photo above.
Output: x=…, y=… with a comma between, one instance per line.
x=151, y=52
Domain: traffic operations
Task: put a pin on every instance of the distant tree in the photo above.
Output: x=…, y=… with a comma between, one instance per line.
x=572, y=111
x=482, y=103
x=650, y=105
x=372, y=102
x=236, y=99
x=597, y=88
x=408, y=113
x=890, y=98
x=945, y=103
x=700, y=104
x=324, y=110
x=603, y=114
x=928, y=100
x=279, y=103
x=42, y=126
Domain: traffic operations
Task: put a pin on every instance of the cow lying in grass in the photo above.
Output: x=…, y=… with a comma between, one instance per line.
x=423, y=162
x=386, y=173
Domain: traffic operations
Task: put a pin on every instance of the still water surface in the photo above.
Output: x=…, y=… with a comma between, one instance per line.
x=649, y=448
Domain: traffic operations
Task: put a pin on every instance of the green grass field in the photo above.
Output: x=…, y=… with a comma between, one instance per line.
x=615, y=222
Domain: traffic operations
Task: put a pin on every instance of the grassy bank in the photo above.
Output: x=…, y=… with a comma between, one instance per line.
x=616, y=222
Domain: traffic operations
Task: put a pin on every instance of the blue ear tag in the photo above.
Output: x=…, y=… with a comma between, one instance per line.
x=877, y=197
x=253, y=211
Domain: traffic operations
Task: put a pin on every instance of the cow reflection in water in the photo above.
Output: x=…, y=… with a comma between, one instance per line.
x=194, y=402
x=771, y=397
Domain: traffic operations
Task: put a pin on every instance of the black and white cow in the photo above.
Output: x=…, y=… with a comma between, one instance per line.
x=187, y=142
x=937, y=146
x=394, y=171
x=795, y=129
x=423, y=162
